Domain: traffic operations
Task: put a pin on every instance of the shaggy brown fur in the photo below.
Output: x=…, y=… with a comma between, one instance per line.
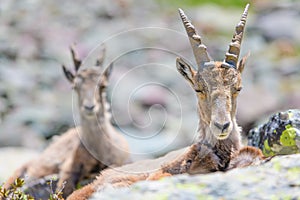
x=247, y=156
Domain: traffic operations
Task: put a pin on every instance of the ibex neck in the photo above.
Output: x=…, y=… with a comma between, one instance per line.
x=95, y=132
x=222, y=148
x=95, y=125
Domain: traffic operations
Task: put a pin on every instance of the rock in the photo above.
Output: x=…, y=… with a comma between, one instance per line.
x=41, y=188
x=279, y=179
x=44, y=187
x=13, y=158
x=279, y=136
x=285, y=21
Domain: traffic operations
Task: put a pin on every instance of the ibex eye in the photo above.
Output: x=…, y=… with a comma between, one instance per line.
x=101, y=86
x=199, y=91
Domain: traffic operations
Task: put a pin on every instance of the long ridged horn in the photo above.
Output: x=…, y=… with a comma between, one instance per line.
x=232, y=55
x=199, y=49
x=76, y=61
x=99, y=61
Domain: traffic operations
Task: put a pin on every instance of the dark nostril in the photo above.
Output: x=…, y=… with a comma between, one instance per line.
x=89, y=107
x=223, y=127
x=220, y=126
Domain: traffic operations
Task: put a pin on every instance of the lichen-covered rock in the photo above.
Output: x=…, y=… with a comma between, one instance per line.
x=277, y=179
x=279, y=136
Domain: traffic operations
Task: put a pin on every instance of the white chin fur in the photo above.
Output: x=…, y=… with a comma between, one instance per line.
x=222, y=136
x=89, y=114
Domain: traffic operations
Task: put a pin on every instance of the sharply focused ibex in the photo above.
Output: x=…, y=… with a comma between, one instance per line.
x=217, y=85
x=82, y=151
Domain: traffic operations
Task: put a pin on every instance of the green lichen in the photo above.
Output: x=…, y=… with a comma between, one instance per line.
x=267, y=151
x=288, y=136
x=294, y=170
x=190, y=186
x=204, y=197
x=163, y=196
x=288, y=197
x=277, y=166
x=283, y=197
x=244, y=193
x=135, y=187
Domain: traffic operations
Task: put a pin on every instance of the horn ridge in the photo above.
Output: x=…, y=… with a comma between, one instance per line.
x=232, y=55
x=199, y=49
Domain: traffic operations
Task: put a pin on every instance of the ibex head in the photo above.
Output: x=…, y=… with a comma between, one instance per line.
x=217, y=84
x=89, y=84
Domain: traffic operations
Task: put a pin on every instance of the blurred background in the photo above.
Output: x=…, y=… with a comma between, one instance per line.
x=151, y=103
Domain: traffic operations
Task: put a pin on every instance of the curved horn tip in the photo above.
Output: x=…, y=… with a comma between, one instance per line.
x=183, y=16
x=245, y=13
x=72, y=47
x=247, y=7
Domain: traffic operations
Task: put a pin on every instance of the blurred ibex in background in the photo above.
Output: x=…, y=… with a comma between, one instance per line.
x=217, y=85
x=82, y=151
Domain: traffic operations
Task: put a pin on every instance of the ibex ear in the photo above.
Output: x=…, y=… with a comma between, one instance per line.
x=185, y=70
x=243, y=62
x=68, y=74
x=105, y=76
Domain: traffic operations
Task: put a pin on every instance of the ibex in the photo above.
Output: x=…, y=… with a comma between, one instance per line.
x=82, y=151
x=217, y=85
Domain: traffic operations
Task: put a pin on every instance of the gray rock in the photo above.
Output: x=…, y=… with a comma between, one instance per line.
x=280, y=135
x=279, y=179
x=280, y=21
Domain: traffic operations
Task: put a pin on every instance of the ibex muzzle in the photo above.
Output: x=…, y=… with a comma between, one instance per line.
x=221, y=122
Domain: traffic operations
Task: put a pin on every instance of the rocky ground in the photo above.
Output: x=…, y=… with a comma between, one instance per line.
x=277, y=179
x=36, y=100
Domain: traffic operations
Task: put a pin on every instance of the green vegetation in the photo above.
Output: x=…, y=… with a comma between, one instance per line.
x=16, y=193
x=193, y=3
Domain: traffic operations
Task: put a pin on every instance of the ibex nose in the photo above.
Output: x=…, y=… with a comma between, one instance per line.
x=223, y=127
x=89, y=107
